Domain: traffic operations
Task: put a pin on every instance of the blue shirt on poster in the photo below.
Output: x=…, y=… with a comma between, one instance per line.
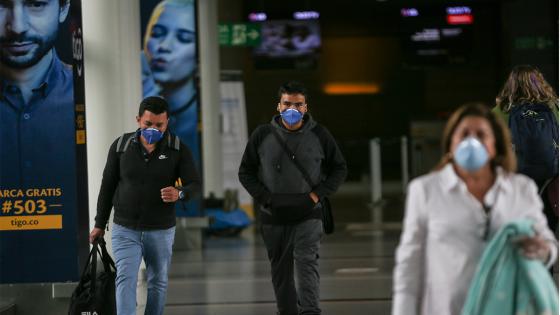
x=37, y=139
x=38, y=156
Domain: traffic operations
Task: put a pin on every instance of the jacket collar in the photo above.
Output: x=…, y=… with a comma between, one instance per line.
x=450, y=180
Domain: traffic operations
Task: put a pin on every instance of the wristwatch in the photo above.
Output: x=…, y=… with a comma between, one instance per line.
x=181, y=195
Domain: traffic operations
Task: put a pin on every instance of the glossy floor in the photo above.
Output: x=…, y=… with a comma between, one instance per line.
x=232, y=275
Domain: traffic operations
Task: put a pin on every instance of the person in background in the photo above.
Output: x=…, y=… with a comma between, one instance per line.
x=291, y=209
x=453, y=212
x=139, y=182
x=529, y=105
x=525, y=85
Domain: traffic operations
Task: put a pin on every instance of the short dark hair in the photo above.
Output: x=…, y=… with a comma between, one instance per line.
x=154, y=104
x=292, y=87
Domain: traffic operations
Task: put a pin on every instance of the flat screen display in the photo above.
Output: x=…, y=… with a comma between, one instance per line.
x=437, y=35
x=288, y=44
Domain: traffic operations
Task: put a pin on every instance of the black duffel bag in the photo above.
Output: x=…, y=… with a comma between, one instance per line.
x=95, y=293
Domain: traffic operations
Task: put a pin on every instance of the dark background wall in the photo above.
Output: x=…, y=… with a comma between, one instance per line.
x=362, y=41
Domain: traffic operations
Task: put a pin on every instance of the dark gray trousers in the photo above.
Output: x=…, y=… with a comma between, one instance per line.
x=297, y=243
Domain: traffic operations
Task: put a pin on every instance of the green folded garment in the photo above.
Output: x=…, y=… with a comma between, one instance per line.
x=508, y=283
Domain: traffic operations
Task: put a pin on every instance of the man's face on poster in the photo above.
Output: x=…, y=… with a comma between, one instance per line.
x=28, y=29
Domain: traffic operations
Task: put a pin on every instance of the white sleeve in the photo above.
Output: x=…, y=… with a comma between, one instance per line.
x=535, y=213
x=409, y=266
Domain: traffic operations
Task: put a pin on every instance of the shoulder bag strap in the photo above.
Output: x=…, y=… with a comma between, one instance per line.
x=124, y=142
x=293, y=158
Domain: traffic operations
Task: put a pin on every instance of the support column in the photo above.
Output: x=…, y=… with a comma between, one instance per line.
x=210, y=97
x=112, y=57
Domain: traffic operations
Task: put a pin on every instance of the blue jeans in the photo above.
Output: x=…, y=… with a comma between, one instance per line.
x=129, y=246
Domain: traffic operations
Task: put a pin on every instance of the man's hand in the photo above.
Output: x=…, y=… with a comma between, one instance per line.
x=314, y=197
x=169, y=194
x=95, y=234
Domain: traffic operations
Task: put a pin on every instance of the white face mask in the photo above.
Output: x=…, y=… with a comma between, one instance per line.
x=470, y=154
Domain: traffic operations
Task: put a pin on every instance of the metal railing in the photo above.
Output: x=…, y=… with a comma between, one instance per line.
x=376, y=185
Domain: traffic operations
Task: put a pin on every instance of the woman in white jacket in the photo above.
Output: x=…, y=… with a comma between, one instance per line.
x=452, y=212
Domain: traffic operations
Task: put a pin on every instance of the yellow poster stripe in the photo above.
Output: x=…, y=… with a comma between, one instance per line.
x=31, y=222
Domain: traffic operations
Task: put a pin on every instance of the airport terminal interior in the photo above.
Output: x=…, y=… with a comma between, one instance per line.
x=383, y=76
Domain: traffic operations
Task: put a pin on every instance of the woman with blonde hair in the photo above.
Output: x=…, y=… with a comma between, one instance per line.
x=170, y=66
x=529, y=105
x=454, y=211
x=526, y=85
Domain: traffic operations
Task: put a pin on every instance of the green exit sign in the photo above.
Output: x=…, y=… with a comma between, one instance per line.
x=533, y=42
x=242, y=34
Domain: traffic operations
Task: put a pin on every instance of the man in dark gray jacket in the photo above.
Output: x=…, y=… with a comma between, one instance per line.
x=290, y=207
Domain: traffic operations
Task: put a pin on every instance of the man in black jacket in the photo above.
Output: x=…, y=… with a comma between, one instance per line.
x=291, y=208
x=139, y=181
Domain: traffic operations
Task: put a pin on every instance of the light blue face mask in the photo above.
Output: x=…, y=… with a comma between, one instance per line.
x=152, y=135
x=291, y=116
x=470, y=154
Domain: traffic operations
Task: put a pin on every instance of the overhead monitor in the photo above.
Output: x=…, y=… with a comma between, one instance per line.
x=437, y=34
x=288, y=44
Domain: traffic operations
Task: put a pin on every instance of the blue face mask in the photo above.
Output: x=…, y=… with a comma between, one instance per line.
x=291, y=116
x=470, y=154
x=152, y=135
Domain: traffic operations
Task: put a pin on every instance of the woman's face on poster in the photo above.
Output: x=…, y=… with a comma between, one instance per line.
x=171, y=45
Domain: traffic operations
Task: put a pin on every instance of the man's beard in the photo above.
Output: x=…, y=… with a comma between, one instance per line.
x=42, y=46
